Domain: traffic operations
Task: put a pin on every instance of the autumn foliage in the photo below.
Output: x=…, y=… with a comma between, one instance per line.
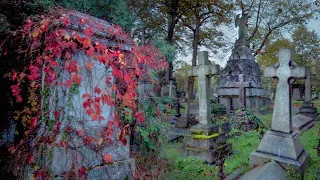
x=49, y=43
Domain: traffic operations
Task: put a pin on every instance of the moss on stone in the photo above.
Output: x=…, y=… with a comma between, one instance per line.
x=202, y=136
x=197, y=132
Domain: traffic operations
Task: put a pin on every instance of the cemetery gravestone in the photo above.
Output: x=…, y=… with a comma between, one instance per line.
x=91, y=158
x=241, y=73
x=281, y=143
x=307, y=108
x=205, y=139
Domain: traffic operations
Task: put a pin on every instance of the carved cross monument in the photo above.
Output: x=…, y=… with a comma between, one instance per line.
x=243, y=25
x=206, y=146
x=281, y=143
x=203, y=71
x=285, y=70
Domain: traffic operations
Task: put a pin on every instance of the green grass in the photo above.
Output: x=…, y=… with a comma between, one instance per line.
x=243, y=145
x=309, y=141
x=185, y=167
x=266, y=119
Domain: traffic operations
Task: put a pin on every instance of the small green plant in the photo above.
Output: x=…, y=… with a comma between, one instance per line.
x=153, y=133
x=217, y=109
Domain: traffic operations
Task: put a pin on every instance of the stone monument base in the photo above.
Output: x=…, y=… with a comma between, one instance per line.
x=301, y=123
x=285, y=148
x=205, y=142
x=181, y=122
x=308, y=109
x=271, y=170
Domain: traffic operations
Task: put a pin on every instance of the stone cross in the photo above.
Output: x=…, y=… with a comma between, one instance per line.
x=242, y=90
x=307, y=88
x=204, y=70
x=243, y=25
x=285, y=70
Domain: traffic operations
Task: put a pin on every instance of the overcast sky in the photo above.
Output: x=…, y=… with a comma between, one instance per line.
x=232, y=34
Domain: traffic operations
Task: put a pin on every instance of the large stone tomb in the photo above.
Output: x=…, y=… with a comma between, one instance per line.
x=281, y=143
x=240, y=81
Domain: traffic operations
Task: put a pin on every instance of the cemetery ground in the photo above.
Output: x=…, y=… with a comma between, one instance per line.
x=172, y=165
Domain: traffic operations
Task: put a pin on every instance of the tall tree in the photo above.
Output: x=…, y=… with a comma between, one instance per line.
x=270, y=54
x=274, y=17
x=307, y=46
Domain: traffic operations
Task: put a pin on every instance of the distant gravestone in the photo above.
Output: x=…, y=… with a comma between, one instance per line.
x=281, y=143
x=307, y=108
x=205, y=137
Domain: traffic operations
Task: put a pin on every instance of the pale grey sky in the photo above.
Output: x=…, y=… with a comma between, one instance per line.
x=232, y=34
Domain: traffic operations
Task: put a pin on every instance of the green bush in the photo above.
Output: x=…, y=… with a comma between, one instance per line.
x=217, y=109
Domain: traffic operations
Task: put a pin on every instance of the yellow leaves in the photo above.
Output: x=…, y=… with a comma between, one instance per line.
x=100, y=141
x=67, y=37
x=89, y=66
x=35, y=33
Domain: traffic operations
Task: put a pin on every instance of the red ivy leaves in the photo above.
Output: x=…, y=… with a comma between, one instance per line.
x=108, y=158
x=57, y=51
x=97, y=90
x=140, y=116
x=77, y=79
x=88, y=31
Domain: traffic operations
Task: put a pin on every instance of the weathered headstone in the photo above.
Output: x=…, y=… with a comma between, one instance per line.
x=307, y=108
x=205, y=137
x=281, y=143
x=92, y=159
x=241, y=73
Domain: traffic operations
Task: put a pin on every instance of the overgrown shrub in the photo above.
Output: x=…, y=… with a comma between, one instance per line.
x=218, y=112
x=245, y=117
x=292, y=173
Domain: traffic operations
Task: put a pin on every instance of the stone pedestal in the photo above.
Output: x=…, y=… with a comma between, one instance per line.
x=301, y=123
x=308, y=109
x=284, y=148
x=204, y=143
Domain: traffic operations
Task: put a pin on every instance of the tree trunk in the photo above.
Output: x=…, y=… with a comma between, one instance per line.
x=171, y=25
x=196, y=38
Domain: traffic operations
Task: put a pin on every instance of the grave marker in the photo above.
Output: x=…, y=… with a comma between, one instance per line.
x=307, y=108
x=281, y=143
x=205, y=137
x=203, y=71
